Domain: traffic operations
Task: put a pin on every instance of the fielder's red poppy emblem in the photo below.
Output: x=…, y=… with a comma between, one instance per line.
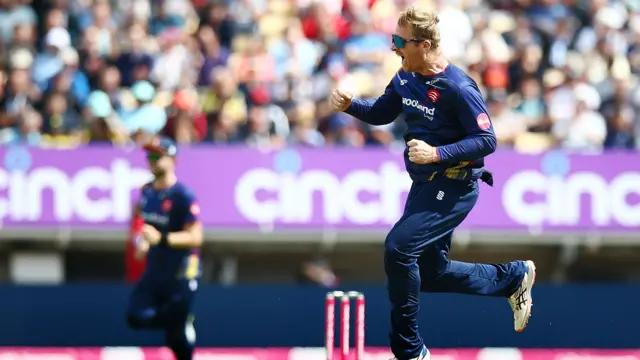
x=166, y=205
x=483, y=121
x=433, y=95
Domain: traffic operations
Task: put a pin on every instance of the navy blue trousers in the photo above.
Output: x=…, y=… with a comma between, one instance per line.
x=416, y=259
x=164, y=304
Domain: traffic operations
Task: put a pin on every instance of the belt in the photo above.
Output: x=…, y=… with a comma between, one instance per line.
x=485, y=176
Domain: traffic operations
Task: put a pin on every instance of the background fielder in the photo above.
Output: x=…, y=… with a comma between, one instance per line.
x=171, y=238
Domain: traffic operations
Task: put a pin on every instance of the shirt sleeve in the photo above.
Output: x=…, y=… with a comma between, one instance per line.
x=191, y=208
x=480, y=138
x=379, y=111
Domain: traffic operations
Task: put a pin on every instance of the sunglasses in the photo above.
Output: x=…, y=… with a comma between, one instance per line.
x=153, y=156
x=400, y=42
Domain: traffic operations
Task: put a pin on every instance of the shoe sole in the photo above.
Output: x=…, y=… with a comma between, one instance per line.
x=531, y=272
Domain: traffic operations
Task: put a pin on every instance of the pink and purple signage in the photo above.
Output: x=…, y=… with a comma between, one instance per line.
x=314, y=189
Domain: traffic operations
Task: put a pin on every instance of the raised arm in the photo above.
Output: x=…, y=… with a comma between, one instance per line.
x=379, y=111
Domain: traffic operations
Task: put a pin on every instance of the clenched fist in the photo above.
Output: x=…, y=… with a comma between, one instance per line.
x=340, y=100
x=422, y=153
x=151, y=234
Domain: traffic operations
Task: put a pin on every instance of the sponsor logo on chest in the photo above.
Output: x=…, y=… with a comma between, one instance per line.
x=426, y=111
x=155, y=218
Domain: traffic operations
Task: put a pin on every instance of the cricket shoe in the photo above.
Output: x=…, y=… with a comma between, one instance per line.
x=521, y=301
x=424, y=355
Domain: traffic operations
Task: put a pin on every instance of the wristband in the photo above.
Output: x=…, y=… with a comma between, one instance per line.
x=164, y=238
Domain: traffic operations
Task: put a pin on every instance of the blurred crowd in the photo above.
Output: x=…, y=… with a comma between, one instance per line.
x=258, y=72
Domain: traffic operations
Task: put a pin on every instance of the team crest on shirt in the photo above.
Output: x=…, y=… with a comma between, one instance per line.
x=433, y=95
x=166, y=205
x=483, y=121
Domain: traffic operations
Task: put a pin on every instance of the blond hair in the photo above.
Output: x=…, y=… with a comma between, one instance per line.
x=423, y=24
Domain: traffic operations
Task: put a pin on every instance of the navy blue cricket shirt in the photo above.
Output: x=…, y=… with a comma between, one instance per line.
x=170, y=210
x=445, y=110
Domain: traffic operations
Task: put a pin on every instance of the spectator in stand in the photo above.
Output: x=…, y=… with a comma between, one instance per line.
x=586, y=129
x=63, y=125
x=146, y=115
x=509, y=124
x=71, y=80
x=12, y=15
x=214, y=55
x=48, y=63
x=19, y=119
x=102, y=121
x=225, y=107
x=134, y=62
x=186, y=122
x=217, y=16
x=173, y=66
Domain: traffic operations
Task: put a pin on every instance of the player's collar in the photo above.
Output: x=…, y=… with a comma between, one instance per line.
x=438, y=73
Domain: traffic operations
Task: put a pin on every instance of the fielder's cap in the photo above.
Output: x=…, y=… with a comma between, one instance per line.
x=162, y=145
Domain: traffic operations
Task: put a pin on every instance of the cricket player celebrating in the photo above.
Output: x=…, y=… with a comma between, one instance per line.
x=449, y=134
x=171, y=236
